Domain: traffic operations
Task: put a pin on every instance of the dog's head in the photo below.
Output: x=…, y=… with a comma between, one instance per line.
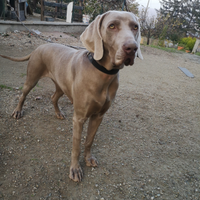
x=115, y=34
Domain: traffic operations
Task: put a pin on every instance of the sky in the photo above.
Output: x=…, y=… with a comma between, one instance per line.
x=152, y=3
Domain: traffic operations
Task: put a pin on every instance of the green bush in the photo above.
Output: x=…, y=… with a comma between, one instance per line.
x=187, y=43
x=161, y=43
x=191, y=43
x=182, y=45
x=174, y=37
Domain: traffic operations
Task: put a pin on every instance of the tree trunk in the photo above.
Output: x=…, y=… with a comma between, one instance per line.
x=148, y=36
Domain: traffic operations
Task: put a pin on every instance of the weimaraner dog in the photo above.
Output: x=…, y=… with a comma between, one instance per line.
x=88, y=77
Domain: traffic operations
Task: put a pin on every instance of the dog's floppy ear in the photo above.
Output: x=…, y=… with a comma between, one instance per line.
x=91, y=38
x=139, y=54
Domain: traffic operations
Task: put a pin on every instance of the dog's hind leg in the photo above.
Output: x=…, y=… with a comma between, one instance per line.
x=33, y=76
x=28, y=85
x=55, y=97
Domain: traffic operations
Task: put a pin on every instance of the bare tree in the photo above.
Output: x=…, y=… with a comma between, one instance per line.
x=95, y=7
x=186, y=11
x=147, y=24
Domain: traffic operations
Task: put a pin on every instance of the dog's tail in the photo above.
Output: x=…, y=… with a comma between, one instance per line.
x=17, y=59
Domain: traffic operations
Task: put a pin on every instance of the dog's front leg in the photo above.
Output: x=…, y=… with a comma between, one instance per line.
x=93, y=125
x=76, y=173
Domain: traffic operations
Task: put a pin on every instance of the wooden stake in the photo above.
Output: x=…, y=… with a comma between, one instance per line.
x=42, y=10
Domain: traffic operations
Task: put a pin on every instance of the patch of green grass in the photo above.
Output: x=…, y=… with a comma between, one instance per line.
x=6, y=87
x=197, y=53
x=22, y=75
x=171, y=50
x=37, y=85
x=33, y=159
x=10, y=88
x=4, y=34
x=73, y=35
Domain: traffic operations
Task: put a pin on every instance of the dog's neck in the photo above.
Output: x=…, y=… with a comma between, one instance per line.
x=100, y=66
x=106, y=61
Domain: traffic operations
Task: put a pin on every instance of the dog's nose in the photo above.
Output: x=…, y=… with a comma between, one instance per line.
x=130, y=47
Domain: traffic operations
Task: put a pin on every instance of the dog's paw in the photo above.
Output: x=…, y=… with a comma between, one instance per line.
x=17, y=114
x=76, y=173
x=60, y=115
x=91, y=162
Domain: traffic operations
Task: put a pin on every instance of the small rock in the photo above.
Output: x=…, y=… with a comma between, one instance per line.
x=36, y=31
x=38, y=98
x=27, y=44
x=161, y=142
x=170, y=45
x=92, y=197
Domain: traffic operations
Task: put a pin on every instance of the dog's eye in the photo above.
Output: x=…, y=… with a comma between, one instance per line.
x=135, y=27
x=112, y=26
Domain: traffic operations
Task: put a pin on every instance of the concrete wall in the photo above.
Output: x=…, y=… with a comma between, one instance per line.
x=10, y=26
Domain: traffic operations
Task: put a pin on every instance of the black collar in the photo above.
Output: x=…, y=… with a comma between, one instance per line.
x=99, y=67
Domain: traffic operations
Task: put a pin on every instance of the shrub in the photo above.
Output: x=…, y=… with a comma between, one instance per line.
x=191, y=43
x=188, y=43
x=161, y=43
x=175, y=37
x=182, y=45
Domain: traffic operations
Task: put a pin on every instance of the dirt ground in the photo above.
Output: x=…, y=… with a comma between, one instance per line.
x=147, y=145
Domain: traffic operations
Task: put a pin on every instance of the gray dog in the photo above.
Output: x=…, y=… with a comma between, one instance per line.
x=88, y=78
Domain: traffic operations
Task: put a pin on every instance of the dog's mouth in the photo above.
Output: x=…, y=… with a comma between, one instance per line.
x=124, y=59
x=129, y=60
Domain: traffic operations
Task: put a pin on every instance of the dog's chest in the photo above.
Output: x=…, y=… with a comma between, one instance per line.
x=104, y=100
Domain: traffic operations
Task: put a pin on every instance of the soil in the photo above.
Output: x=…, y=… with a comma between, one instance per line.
x=147, y=145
